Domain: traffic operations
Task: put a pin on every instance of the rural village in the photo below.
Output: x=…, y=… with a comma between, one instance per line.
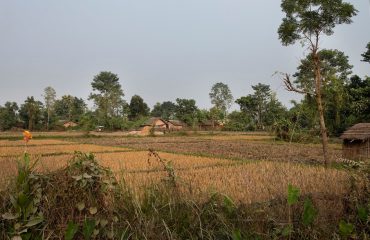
x=252, y=165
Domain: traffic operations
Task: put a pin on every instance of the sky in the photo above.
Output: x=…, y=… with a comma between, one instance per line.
x=161, y=50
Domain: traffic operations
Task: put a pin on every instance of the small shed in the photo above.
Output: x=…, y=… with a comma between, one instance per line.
x=175, y=125
x=157, y=124
x=69, y=124
x=356, y=142
x=210, y=125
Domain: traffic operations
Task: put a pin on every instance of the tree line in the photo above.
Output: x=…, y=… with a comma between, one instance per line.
x=333, y=97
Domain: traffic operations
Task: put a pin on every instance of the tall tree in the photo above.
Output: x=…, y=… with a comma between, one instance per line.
x=138, y=108
x=165, y=110
x=307, y=21
x=262, y=93
x=221, y=97
x=186, y=110
x=49, y=99
x=358, y=104
x=260, y=104
x=335, y=71
x=8, y=115
x=69, y=108
x=366, y=55
x=107, y=95
x=30, y=112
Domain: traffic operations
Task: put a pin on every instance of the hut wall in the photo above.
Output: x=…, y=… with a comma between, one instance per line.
x=356, y=150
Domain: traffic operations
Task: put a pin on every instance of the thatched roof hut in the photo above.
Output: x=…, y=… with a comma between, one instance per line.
x=175, y=125
x=356, y=142
x=153, y=124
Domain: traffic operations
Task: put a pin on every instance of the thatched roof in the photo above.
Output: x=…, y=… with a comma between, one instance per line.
x=177, y=122
x=152, y=121
x=360, y=131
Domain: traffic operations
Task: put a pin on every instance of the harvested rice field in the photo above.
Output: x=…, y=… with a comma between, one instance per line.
x=239, y=147
x=258, y=171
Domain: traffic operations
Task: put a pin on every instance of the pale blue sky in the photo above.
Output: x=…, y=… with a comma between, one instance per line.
x=161, y=49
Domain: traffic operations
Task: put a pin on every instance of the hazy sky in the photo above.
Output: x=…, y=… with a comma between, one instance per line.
x=160, y=49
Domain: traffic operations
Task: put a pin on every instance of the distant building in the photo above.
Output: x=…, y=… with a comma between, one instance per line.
x=210, y=125
x=175, y=125
x=69, y=124
x=154, y=124
x=356, y=142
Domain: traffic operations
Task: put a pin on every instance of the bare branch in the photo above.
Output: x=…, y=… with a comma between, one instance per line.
x=290, y=87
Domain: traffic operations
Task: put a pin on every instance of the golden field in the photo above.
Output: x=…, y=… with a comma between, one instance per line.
x=244, y=181
x=44, y=149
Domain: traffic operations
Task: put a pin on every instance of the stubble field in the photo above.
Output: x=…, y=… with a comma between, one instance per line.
x=246, y=168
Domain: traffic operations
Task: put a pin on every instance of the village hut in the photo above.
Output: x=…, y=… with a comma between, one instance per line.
x=175, y=125
x=210, y=125
x=356, y=142
x=69, y=124
x=154, y=124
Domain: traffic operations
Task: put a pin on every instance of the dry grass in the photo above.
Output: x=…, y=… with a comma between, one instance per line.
x=238, y=137
x=251, y=182
x=238, y=149
x=9, y=143
x=53, y=149
x=244, y=182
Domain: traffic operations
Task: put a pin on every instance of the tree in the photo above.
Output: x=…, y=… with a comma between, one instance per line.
x=221, y=97
x=307, y=21
x=165, y=110
x=238, y=121
x=262, y=93
x=257, y=105
x=335, y=70
x=49, y=99
x=138, y=108
x=186, y=110
x=358, y=104
x=8, y=116
x=366, y=55
x=107, y=96
x=30, y=112
x=69, y=108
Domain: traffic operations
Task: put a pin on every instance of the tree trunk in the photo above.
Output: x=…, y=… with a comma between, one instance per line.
x=318, y=83
x=47, y=122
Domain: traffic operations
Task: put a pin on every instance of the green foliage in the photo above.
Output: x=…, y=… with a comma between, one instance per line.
x=88, y=228
x=239, y=121
x=69, y=108
x=309, y=212
x=138, y=108
x=165, y=110
x=108, y=97
x=366, y=55
x=8, y=116
x=262, y=106
x=132, y=125
x=345, y=228
x=71, y=231
x=221, y=97
x=49, y=98
x=24, y=214
x=31, y=113
x=335, y=70
x=237, y=235
x=363, y=213
x=358, y=105
x=309, y=17
x=186, y=111
x=88, y=122
x=293, y=194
